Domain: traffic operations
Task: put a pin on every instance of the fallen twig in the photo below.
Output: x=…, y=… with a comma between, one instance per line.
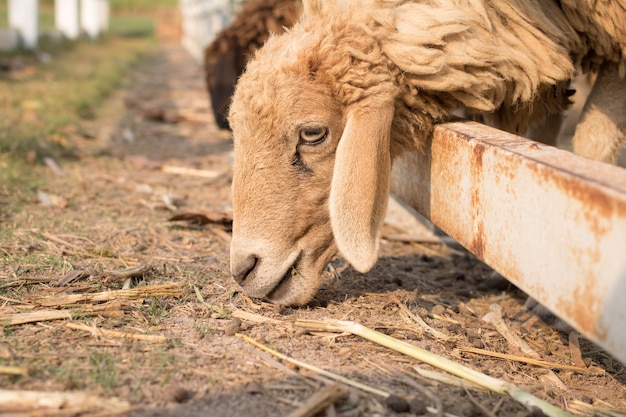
x=599, y=408
x=14, y=401
x=71, y=276
x=415, y=319
x=64, y=242
x=494, y=317
x=13, y=370
x=163, y=290
x=253, y=317
x=323, y=398
x=191, y=171
x=115, y=334
x=134, y=272
x=574, y=348
x=531, y=361
x=105, y=310
x=315, y=369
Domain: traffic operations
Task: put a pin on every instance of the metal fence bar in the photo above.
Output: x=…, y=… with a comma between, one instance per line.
x=552, y=222
x=66, y=18
x=23, y=17
x=94, y=15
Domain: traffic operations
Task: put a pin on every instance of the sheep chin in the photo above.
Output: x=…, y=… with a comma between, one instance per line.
x=294, y=292
x=302, y=281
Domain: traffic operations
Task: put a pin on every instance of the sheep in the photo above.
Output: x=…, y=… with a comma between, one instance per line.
x=322, y=112
x=225, y=58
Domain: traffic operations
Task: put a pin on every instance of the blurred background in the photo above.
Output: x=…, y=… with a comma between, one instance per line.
x=60, y=59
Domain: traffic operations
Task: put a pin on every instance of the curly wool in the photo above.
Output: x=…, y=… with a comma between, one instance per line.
x=600, y=24
x=510, y=60
x=251, y=27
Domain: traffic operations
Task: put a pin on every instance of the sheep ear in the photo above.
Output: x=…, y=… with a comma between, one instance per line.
x=312, y=7
x=360, y=185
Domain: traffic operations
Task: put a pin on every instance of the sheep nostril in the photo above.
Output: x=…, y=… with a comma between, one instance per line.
x=241, y=268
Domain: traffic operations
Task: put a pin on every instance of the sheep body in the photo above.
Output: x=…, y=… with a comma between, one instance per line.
x=226, y=57
x=375, y=76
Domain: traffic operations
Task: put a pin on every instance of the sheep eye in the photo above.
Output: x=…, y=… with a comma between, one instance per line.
x=313, y=135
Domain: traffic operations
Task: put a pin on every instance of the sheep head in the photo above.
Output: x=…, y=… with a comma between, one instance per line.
x=312, y=160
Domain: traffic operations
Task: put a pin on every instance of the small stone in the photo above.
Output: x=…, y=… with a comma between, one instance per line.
x=397, y=281
x=180, y=395
x=460, y=276
x=438, y=310
x=536, y=412
x=397, y=404
x=455, y=329
x=253, y=387
x=417, y=406
x=232, y=327
x=476, y=342
x=466, y=408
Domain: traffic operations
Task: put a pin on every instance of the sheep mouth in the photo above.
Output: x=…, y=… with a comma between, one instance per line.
x=281, y=288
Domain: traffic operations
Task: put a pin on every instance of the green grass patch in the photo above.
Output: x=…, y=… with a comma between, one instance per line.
x=141, y=6
x=135, y=7
x=102, y=370
x=131, y=25
x=40, y=99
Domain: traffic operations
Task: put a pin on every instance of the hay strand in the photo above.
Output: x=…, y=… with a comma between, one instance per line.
x=97, y=332
x=319, y=401
x=313, y=368
x=493, y=384
x=530, y=361
x=112, y=309
x=51, y=403
x=163, y=290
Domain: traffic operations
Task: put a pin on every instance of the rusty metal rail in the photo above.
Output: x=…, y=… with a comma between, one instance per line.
x=552, y=222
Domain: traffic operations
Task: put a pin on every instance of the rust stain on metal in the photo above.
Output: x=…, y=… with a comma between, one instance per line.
x=477, y=245
x=600, y=206
x=580, y=211
x=583, y=307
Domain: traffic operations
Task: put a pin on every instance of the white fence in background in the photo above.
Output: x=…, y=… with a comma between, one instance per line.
x=202, y=20
x=72, y=17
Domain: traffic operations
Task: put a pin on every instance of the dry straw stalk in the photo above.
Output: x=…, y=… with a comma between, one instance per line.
x=493, y=384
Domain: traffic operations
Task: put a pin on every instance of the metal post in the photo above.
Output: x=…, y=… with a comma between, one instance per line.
x=104, y=7
x=90, y=18
x=552, y=222
x=66, y=18
x=24, y=17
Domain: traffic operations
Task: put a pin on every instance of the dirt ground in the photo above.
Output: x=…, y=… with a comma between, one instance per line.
x=155, y=152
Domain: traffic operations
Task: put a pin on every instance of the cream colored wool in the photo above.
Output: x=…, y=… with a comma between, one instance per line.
x=602, y=26
x=501, y=57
